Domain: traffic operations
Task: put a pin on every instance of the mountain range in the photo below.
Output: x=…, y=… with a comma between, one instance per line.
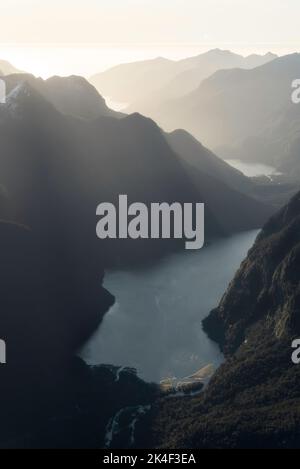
x=62, y=153
x=242, y=114
x=160, y=79
x=53, y=157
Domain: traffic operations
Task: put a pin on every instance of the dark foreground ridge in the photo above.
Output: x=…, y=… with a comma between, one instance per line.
x=254, y=398
x=50, y=398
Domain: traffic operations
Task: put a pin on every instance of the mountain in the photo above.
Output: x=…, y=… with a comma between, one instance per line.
x=70, y=95
x=126, y=82
x=275, y=191
x=139, y=83
x=55, y=168
x=50, y=305
x=199, y=68
x=253, y=400
x=70, y=165
x=48, y=310
x=207, y=64
x=7, y=68
x=189, y=80
x=196, y=155
x=243, y=114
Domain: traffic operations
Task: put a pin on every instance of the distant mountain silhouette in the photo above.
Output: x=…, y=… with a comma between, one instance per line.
x=189, y=80
x=128, y=82
x=243, y=114
x=206, y=65
x=141, y=84
x=51, y=301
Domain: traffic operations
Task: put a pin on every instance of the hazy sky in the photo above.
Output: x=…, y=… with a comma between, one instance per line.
x=174, y=27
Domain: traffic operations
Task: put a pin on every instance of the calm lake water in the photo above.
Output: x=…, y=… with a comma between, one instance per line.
x=155, y=324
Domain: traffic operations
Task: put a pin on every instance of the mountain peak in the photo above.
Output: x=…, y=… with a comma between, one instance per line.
x=7, y=68
x=74, y=95
x=270, y=54
x=24, y=98
x=217, y=50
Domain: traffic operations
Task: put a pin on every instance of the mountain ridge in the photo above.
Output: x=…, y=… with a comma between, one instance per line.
x=71, y=95
x=155, y=78
x=215, y=114
x=253, y=400
x=140, y=163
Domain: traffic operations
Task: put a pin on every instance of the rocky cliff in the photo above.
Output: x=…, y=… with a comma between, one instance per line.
x=254, y=398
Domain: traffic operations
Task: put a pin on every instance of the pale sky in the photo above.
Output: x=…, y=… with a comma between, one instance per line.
x=85, y=36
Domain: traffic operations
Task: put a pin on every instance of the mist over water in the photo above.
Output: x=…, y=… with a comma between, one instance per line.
x=155, y=324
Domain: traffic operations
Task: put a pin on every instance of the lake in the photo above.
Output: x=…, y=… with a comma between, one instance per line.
x=155, y=325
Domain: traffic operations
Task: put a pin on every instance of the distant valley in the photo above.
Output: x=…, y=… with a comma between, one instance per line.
x=241, y=108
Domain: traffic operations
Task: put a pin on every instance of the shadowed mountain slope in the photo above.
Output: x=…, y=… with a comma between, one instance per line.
x=71, y=165
x=254, y=399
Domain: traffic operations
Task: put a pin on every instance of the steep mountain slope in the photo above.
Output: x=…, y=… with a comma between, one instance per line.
x=276, y=191
x=51, y=291
x=49, y=306
x=70, y=95
x=271, y=276
x=74, y=96
x=126, y=82
x=245, y=114
x=160, y=79
x=195, y=154
x=254, y=398
x=70, y=165
x=54, y=170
